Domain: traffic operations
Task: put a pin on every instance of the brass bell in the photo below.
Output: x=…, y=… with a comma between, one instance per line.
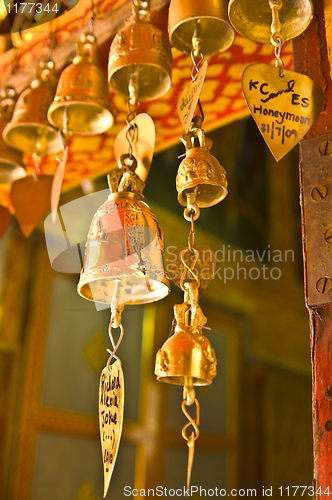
x=207, y=21
x=186, y=358
x=11, y=160
x=29, y=130
x=200, y=176
x=83, y=92
x=140, y=56
x=124, y=248
x=253, y=19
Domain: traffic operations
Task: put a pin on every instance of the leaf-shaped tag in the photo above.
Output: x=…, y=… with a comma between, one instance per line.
x=111, y=403
x=188, y=98
x=5, y=218
x=283, y=107
x=31, y=198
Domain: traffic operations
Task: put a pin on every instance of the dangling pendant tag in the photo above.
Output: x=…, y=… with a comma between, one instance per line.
x=57, y=184
x=188, y=98
x=111, y=404
x=283, y=107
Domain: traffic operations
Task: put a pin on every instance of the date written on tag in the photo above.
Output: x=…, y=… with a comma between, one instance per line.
x=111, y=403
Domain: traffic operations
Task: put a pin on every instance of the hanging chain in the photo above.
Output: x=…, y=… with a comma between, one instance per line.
x=276, y=37
x=94, y=14
x=133, y=106
x=51, y=42
x=197, y=58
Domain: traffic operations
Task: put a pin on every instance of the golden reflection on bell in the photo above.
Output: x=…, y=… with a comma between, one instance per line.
x=187, y=354
x=207, y=20
x=83, y=92
x=11, y=160
x=124, y=248
x=253, y=19
x=140, y=55
x=200, y=176
x=29, y=130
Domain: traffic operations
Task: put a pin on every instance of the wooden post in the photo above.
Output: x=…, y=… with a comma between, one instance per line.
x=311, y=58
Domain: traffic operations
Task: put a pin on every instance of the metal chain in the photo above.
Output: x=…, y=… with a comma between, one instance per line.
x=276, y=37
x=194, y=422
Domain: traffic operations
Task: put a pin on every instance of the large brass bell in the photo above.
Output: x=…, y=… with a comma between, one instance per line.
x=140, y=56
x=207, y=20
x=200, y=176
x=11, y=160
x=29, y=130
x=186, y=358
x=82, y=93
x=253, y=19
x=124, y=249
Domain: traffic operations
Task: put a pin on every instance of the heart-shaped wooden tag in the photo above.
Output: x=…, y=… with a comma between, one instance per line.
x=143, y=145
x=283, y=107
x=204, y=268
x=5, y=218
x=188, y=98
x=111, y=403
x=31, y=198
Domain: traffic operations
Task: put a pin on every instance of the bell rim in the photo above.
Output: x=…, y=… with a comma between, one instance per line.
x=182, y=199
x=63, y=103
x=50, y=149
x=11, y=177
x=184, y=47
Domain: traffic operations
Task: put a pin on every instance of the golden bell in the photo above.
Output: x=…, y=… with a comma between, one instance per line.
x=29, y=130
x=11, y=160
x=200, y=175
x=253, y=19
x=207, y=20
x=83, y=92
x=187, y=354
x=124, y=249
x=140, y=55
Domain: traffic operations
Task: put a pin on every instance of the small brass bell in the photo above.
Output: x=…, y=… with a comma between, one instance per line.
x=140, y=55
x=29, y=130
x=207, y=20
x=11, y=160
x=200, y=175
x=83, y=92
x=253, y=19
x=186, y=355
x=124, y=248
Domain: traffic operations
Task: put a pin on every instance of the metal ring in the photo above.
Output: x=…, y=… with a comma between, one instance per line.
x=187, y=213
x=115, y=346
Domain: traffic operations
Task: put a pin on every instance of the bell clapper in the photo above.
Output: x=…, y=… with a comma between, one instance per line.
x=194, y=422
x=117, y=305
x=276, y=37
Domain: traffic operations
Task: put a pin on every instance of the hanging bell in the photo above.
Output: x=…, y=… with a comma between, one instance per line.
x=200, y=175
x=186, y=358
x=140, y=56
x=124, y=248
x=253, y=19
x=11, y=160
x=29, y=130
x=206, y=21
x=83, y=92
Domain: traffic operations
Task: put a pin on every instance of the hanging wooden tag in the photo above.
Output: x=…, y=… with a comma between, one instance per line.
x=284, y=108
x=111, y=403
x=204, y=268
x=57, y=184
x=188, y=98
x=31, y=198
x=5, y=218
x=143, y=146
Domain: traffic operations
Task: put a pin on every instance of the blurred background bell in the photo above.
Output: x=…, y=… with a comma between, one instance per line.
x=140, y=56
x=124, y=253
x=206, y=20
x=253, y=19
x=82, y=93
x=29, y=130
x=11, y=160
x=186, y=358
x=200, y=175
